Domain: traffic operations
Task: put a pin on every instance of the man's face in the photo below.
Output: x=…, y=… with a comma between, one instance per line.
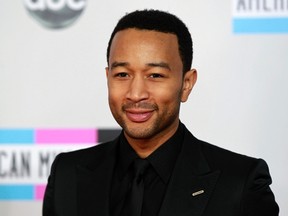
x=145, y=83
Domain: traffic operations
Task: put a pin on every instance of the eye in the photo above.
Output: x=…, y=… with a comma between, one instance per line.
x=121, y=75
x=156, y=75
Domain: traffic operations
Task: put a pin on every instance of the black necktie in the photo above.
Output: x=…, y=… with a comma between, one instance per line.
x=134, y=200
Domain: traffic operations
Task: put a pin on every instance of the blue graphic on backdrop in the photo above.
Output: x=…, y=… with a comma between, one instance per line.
x=260, y=16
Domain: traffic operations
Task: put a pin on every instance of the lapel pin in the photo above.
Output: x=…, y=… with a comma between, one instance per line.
x=197, y=193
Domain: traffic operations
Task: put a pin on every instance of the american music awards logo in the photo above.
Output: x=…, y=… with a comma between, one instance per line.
x=260, y=16
x=26, y=156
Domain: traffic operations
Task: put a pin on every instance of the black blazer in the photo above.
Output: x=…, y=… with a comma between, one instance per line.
x=206, y=181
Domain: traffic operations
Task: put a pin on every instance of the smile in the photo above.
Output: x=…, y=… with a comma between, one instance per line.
x=138, y=116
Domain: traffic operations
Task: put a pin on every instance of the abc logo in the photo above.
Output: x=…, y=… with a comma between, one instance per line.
x=55, y=13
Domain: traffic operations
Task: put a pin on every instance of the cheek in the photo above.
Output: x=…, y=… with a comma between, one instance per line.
x=115, y=97
x=169, y=90
x=167, y=97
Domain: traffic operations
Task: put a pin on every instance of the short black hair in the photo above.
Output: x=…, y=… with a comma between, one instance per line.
x=160, y=21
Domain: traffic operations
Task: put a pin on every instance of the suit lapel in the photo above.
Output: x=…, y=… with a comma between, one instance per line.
x=191, y=183
x=93, y=186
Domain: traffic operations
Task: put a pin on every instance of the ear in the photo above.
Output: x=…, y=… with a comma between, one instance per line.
x=189, y=81
x=107, y=71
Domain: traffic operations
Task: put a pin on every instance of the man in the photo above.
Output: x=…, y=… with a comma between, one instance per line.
x=149, y=74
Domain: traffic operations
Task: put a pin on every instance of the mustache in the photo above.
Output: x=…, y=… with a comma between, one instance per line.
x=139, y=105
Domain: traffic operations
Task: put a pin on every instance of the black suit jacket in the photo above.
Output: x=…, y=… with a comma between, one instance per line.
x=206, y=181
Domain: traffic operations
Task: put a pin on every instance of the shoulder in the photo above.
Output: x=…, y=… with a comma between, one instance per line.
x=236, y=167
x=244, y=179
x=225, y=160
x=219, y=155
x=96, y=149
x=232, y=162
x=86, y=156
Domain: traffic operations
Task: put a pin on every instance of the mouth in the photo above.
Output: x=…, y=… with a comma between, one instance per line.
x=138, y=116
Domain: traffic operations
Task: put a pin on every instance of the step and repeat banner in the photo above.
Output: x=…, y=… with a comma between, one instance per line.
x=53, y=94
x=26, y=156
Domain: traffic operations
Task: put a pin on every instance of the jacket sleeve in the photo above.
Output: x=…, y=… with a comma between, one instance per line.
x=258, y=199
x=48, y=202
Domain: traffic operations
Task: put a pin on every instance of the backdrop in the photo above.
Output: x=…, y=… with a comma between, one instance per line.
x=53, y=94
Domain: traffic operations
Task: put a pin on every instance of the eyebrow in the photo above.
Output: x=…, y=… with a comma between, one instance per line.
x=119, y=64
x=151, y=64
x=159, y=64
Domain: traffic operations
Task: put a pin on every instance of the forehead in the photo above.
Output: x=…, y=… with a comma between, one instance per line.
x=136, y=41
x=143, y=34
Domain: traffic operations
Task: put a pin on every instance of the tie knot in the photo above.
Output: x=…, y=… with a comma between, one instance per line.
x=140, y=165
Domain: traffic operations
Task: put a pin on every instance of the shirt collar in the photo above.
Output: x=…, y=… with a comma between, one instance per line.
x=162, y=159
x=126, y=155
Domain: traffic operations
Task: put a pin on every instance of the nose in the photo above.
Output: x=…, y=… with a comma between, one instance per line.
x=137, y=90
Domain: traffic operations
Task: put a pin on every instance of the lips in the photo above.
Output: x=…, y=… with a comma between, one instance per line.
x=138, y=116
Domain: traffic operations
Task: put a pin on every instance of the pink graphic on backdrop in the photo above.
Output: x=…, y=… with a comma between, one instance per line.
x=66, y=136
x=39, y=192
